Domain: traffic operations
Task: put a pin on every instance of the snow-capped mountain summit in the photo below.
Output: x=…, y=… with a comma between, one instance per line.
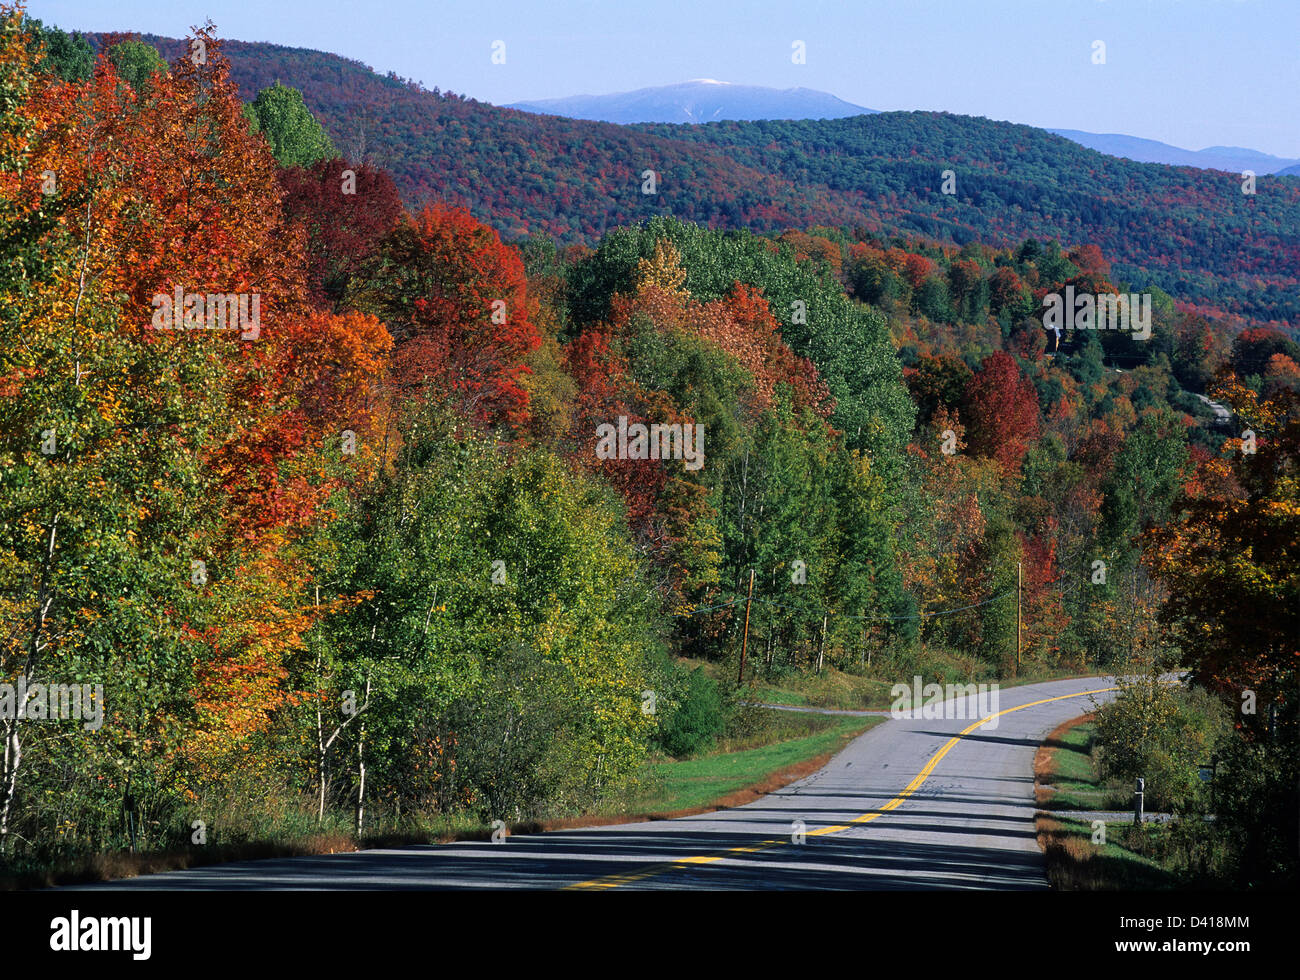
x=697, y=101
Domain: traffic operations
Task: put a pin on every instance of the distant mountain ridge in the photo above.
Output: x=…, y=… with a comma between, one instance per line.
x=700, y=100
x=704, y=100
x=1191, y=232
x=1233, y=159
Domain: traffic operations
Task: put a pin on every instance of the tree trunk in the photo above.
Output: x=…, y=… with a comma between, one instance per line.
x=13, y=752
x=320, y=746
x=9, y=777
x=320, y=778
x=361, y=769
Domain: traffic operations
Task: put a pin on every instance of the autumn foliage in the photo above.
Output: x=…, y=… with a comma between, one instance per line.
x=1001, y=411
x=385, y=493
x=456, y=301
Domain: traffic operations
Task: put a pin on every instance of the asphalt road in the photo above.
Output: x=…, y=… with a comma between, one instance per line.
x=912, y=804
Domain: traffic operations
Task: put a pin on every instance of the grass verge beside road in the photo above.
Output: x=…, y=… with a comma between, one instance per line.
x=1066, y=772
x=1066, y=778
x=727, y=779
x=1075, y=863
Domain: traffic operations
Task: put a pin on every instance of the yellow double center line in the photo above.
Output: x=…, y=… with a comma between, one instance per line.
x=614, y=881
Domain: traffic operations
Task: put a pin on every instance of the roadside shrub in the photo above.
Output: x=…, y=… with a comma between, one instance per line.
x=699, y=718
x=1162, y=734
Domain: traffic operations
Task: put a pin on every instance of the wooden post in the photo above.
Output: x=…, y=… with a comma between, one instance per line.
x=744, y=640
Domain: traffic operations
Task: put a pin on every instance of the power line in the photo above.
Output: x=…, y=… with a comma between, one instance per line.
x=869, y=619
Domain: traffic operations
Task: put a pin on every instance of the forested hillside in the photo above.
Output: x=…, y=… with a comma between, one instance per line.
x=1191, y=232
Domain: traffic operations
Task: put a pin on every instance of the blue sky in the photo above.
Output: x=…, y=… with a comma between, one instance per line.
x=1193, y=73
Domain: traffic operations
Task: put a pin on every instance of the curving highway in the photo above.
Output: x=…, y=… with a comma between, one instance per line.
x=917, y=803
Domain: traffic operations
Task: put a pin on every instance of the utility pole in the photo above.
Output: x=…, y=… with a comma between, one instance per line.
x=822, y=652
x=744, y=640
x=1019, y=580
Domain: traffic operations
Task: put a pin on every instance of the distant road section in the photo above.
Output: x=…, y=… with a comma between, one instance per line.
x=919, y=803
x=1221, y=414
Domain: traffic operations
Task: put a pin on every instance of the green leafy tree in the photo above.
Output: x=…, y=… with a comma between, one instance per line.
x=296, y=138
x=506, y=630
x=69, y=56
x=1163, y=735
x=136, y=62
